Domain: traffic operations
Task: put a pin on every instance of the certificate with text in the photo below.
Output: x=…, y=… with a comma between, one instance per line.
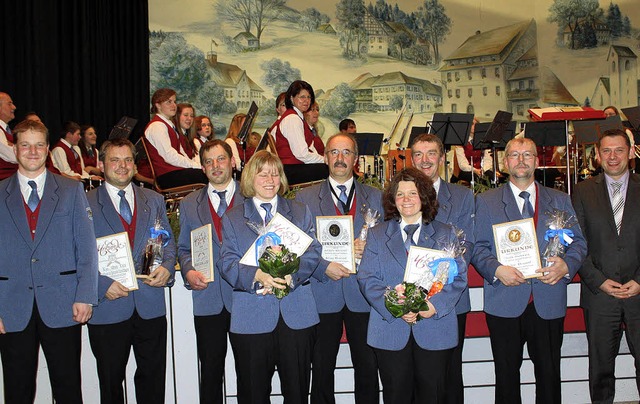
x=418, y=262
x=202, y=251
x=517, y=246
x=116, y=261
x=291, y=236
x=335, y=233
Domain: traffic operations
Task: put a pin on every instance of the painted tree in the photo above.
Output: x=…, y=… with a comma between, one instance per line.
x=403, y=40
x=569, y=13
x=614, y=20
x=210, y=100
x=279, y=75
x=350, y=16
x=178, y=65
x=418, y=54
x=341, y=103
x=626, y=26
x=248, y=14
x=433, y=24
x=237, y=13
x=396, y=102
x=311, y=19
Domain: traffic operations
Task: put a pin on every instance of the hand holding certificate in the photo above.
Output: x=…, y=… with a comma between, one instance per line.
x=202, y=252
x=115, y=260
x=517, y=246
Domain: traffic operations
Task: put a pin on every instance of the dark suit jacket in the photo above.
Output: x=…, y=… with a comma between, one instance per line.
x=194, y=213
x=499, y=206
x=383, y=266
x=330, y=295
x=148, y=301
x=611, y=256
x=457, y=208
x=256, y=314
x=58, y=267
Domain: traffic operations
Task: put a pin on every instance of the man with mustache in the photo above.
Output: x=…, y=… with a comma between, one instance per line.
x=455, y=207
x=338, y=297
x=520, y=310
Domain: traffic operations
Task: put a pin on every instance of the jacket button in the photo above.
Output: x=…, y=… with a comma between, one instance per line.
x=34, y=260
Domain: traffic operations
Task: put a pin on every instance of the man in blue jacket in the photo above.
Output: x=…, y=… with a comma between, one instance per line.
x=338, y=297
x=127, y=318
x=48, y=272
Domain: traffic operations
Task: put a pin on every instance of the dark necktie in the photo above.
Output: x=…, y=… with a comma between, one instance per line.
x=223, y=202
x=527, y=209
x=410, y=229
x=267, y=208
x=125, y=209
x=34, y=199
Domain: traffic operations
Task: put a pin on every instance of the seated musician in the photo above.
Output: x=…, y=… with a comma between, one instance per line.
x=67, y=156
x=472, y=162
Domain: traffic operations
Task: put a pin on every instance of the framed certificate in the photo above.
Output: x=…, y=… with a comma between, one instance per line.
x=292, y=237
x=517, y=246
x=418, y=261
x=335, y=233
x=116, y=261
x=202, y=251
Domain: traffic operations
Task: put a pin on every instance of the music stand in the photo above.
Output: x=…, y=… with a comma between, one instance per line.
x=547, y=134
x=588, y=132
x=123, y=128
x=633, y=119
x=264, y=141
x=369, y=144
x=244, y=131
x=415, y=132
x=453, y=129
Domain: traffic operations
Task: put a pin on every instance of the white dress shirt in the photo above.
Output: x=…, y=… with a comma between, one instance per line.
x=6, y=150
x=157, y=134
x=292, y=128
x=59, y=157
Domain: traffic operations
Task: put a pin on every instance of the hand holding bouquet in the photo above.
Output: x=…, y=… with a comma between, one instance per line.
x=406, y=298
x=279, y=262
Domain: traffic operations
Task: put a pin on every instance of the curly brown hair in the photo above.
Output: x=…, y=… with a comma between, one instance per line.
x=428, y=196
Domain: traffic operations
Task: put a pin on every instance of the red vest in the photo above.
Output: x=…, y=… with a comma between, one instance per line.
x=548, y=156
x=89, y=160
x=217, y=220
x=74, y=162
x=7, y=169
x=160, y=166
x=32, y=218
x=130, y=228
x=317, y=143
x=282, y=144
x=476, y=154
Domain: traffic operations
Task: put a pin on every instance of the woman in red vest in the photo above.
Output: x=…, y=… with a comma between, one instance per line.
x=311, y=117
x=294, y=139
x=203, y=133
x=166, y=152
x=233, y=140
x=88, y=149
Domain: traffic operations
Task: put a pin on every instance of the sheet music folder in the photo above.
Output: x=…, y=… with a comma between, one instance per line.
x=548, y=133
x=590, y=131
x=123, y=128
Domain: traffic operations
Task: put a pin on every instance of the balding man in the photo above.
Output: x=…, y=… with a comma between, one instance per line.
x=8, y=162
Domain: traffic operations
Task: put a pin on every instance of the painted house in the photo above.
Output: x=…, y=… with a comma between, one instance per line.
x=620, y=87
x=238, y=86
x=498, y=70
x=247, y=40
x=326, y=29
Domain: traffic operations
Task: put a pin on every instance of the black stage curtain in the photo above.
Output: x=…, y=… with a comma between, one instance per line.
x=80, y=60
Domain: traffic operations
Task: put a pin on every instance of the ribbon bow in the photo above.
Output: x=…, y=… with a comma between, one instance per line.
x=161, y=234
x=453, y=267
x=564, y=235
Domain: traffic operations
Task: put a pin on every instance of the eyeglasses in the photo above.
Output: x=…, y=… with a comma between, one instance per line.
x=344, y=152
x=526, y=155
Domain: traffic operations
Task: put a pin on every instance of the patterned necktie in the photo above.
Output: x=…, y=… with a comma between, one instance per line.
x=617, y=204
x=527, y=209
x=267, y=208
x=34, y=199
x=410, y=229
x=125, y=209
x=223, y=202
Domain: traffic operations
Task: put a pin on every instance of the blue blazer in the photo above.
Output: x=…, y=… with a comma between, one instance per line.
x=499, y=206
x=194, y=213
x=457, y=208
x=252, y=313
x=330, y=295
x=148, y=301
x=58, y=267
x=383, y=265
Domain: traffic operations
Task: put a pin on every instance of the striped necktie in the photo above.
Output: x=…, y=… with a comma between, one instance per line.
x=617, y=204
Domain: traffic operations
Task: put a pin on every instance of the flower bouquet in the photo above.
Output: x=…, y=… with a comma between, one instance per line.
x=558, y=236
x=405, y=298
x=278, y=261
